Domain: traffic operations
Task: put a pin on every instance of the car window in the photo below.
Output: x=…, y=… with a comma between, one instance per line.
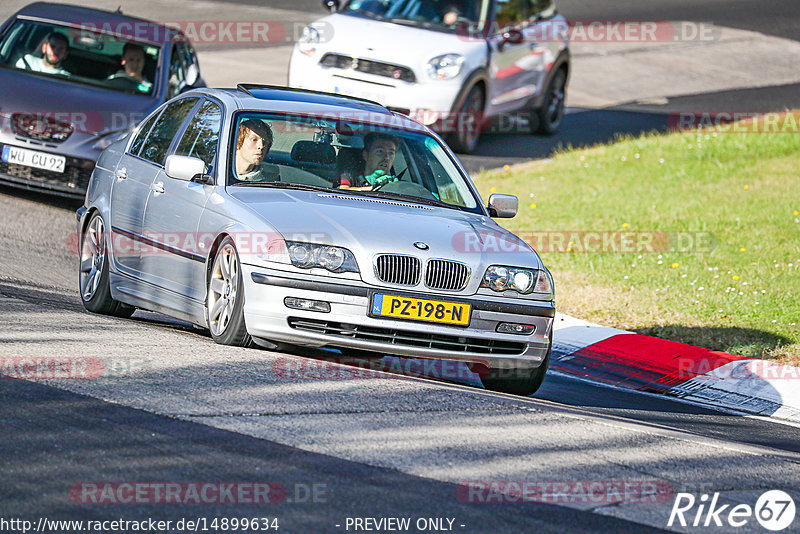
x=202, y=134
x=449, y=14
x=161, y=135
x=141, y=134
x=510, y=12
x=350, y=157
x=84, y=55
x=182, y=58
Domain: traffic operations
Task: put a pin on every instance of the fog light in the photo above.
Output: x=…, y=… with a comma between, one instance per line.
x=307, y=304
x=514, y=328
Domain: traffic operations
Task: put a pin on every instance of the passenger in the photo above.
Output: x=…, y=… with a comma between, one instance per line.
x=132, y=72
x=253, y=142
x=378, y=154
x=55, y=50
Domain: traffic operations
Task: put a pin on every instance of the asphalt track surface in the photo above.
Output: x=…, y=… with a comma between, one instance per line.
x=53, y=437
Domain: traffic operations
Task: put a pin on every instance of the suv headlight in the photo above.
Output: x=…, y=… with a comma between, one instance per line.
x=523, y=281
x=445, y=67
x=309, y=256
x=308, y=41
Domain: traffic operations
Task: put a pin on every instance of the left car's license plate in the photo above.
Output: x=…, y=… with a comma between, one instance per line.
x=34, y=158
x=414, y=309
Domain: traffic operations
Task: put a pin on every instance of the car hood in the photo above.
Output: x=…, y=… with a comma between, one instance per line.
x=389, y=42
x=368, y=226
x=90, y=110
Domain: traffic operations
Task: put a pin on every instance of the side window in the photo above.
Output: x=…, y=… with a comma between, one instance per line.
x=512, y=12
x=165, y=128
x=542, y=8
x=181, y=73
x=177, y=70
x=141, y=134
x=202, y=134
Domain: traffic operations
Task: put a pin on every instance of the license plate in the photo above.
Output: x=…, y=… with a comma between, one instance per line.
x=433, y=311
x=33, y=158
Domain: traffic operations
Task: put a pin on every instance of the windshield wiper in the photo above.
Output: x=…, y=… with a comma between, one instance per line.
x=287, y=185
x=407, y=198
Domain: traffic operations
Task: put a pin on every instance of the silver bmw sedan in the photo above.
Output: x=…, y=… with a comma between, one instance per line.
x=275, y=216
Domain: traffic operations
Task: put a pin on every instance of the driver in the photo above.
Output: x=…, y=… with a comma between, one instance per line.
x=132, y=72
x=378, y=154
x=55, y=49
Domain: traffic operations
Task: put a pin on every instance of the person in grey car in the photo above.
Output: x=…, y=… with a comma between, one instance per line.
x=132, y=72
x=378, y=154
x=55, y=49
x=253, y=141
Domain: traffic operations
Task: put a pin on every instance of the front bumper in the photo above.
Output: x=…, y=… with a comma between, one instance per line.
x=348, y=324
x=426, y=101
x=71, y=183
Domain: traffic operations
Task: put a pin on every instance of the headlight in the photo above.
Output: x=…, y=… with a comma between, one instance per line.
x=308, y=41
x=309, y=256
x=107, y=139
x=445, y=67
x=524, y=281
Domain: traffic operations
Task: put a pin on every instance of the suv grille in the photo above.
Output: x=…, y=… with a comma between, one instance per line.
x=405, y=338
x=397, y=269
x=377, y=68
x=446, y=274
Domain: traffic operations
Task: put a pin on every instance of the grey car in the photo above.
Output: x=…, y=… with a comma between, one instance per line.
x=250, y=212
x=67, y=94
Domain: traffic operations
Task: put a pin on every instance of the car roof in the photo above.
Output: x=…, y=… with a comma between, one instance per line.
x=115, y=22
x=285, y=99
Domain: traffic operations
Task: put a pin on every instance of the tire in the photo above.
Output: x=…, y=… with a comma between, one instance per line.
x=93, y=272
x=517, y=381
x=225, y=298
x=547, y=119
x=468, y=123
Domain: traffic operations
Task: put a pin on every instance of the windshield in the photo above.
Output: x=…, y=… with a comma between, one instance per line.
x=347, y=156
x=80, y=55
x=444, y=14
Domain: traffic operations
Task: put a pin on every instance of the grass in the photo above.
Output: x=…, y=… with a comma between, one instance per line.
x=717, y=219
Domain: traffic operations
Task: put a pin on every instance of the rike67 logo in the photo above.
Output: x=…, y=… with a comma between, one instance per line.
x=774, y=510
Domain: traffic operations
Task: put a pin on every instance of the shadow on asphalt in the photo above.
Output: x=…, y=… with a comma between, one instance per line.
x=69, y=204
x=507, y=143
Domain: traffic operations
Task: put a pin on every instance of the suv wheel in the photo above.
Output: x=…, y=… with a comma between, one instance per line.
x=548, y=118
x=468, y=123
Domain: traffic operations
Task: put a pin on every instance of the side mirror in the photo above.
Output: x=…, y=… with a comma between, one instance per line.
x=192, y=74
x=502, y=206
x=331, y=5
x=184, y=167
x=512, y=37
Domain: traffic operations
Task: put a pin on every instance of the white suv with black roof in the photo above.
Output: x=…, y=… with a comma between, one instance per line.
x=450, y=64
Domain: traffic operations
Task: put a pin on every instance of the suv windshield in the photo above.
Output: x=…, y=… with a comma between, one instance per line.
x=81, y=55
x=273, y=150
x=444, y=14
